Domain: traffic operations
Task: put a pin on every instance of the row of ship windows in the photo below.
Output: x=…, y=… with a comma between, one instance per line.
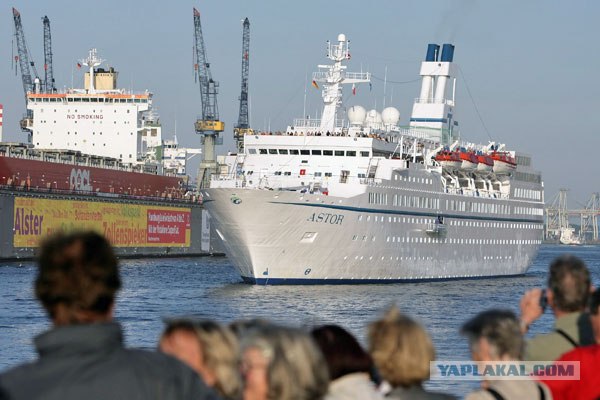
x=316, y=174
x=529, y=211
x=527, y=177
x=429, y=258
x=87, y=100
x=451, y=205
x=528, y=193
x=125, y=122
x=427, y=181
x=471, y=224
x=338, y=153
x=408, y=239
x=93, y=133
x=69, y=110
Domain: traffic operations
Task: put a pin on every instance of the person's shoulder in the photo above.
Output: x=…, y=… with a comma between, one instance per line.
x=479, y=394
x=160, y=367
x=18, y=374
x=155, y=362
x=440, y=396
x=546, y=347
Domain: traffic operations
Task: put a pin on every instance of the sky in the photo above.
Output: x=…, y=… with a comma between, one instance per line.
x=528, y=69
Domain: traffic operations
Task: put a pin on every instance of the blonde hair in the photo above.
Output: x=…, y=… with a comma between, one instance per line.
x=219, y=352
x=297, y=370
x=401, y=349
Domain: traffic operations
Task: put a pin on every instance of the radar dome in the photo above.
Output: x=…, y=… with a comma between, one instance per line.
x=373, y=118
x=341, y=37
x=390, y=116
x=356, y=115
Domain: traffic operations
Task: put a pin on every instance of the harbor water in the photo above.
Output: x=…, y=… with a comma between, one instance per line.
x=209, y=287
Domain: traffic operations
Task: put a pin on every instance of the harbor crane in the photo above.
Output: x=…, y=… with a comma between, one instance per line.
x=208, y=124
x=29, y=84
x=243, y=126
x=48, y=71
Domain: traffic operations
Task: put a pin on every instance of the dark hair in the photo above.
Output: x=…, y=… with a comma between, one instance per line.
x=595, y=302
x=500, y=328
x=569, y=281
x=342, y=352
x=78, y=271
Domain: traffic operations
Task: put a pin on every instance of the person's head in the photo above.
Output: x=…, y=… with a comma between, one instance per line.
x=208, y=348
x=282, y=363
x=342, y=352
x=494, y=335
x=595, y=314
x=401, y=349
x=78, y=277
x=569, y=284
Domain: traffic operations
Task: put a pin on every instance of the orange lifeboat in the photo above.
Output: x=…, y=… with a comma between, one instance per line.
x=503, y=162
x=486, y=163
x=449, y=159
x=469, y=160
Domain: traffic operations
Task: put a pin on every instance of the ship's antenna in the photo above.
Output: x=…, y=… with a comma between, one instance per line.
x=305, y=82
x=384, y=85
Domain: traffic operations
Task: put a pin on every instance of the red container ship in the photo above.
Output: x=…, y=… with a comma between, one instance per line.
x=94, y=161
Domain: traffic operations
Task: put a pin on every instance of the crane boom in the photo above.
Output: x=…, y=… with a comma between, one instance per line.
x=48, y=71
x=208, y=125
x=243, y=125
x=24, y=63
x=208, y=87
x=29, y=85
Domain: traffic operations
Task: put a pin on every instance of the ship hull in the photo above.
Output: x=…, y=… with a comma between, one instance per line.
x=38, y=175
x=281, y=237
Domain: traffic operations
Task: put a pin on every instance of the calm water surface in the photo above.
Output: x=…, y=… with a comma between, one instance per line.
x=209, y=287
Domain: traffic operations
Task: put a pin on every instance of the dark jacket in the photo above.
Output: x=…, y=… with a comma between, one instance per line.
x=89, y=362
x=416, y=392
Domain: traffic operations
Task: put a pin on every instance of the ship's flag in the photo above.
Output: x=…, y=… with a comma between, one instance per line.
x=314, y=83
x=370, y=86
x=78, y=65
x=353, y=89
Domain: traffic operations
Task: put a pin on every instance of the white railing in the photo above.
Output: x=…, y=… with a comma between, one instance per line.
x=322, y=76
x=432, y=100
x=300, y=123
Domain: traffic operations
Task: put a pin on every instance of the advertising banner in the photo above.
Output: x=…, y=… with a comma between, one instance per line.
x=125, y=225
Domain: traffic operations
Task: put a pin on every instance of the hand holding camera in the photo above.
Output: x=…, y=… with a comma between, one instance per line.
x=533, y=304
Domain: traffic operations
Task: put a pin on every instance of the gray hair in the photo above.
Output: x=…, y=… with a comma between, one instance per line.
x=501, y=330
x=297, y=369
x=569, y=280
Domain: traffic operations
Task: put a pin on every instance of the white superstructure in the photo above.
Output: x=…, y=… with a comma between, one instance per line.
x=175, y=157
x=364, y=199
x=99, y=119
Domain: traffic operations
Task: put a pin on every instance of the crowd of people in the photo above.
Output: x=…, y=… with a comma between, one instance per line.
x=82, y=355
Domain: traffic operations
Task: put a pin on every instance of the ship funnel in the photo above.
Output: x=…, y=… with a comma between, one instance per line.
x=432, y=52
x=447, y=52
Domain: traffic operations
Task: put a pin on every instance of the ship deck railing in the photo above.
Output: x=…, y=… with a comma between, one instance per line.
x=78, y=159
x=171, y=198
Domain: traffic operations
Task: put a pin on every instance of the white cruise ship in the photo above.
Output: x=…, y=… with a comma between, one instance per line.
x=353, y=197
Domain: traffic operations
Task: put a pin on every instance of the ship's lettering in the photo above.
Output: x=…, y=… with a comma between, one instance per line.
x=80, y=179
x=326, y=218
x=27, y=223
x=85, y=116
